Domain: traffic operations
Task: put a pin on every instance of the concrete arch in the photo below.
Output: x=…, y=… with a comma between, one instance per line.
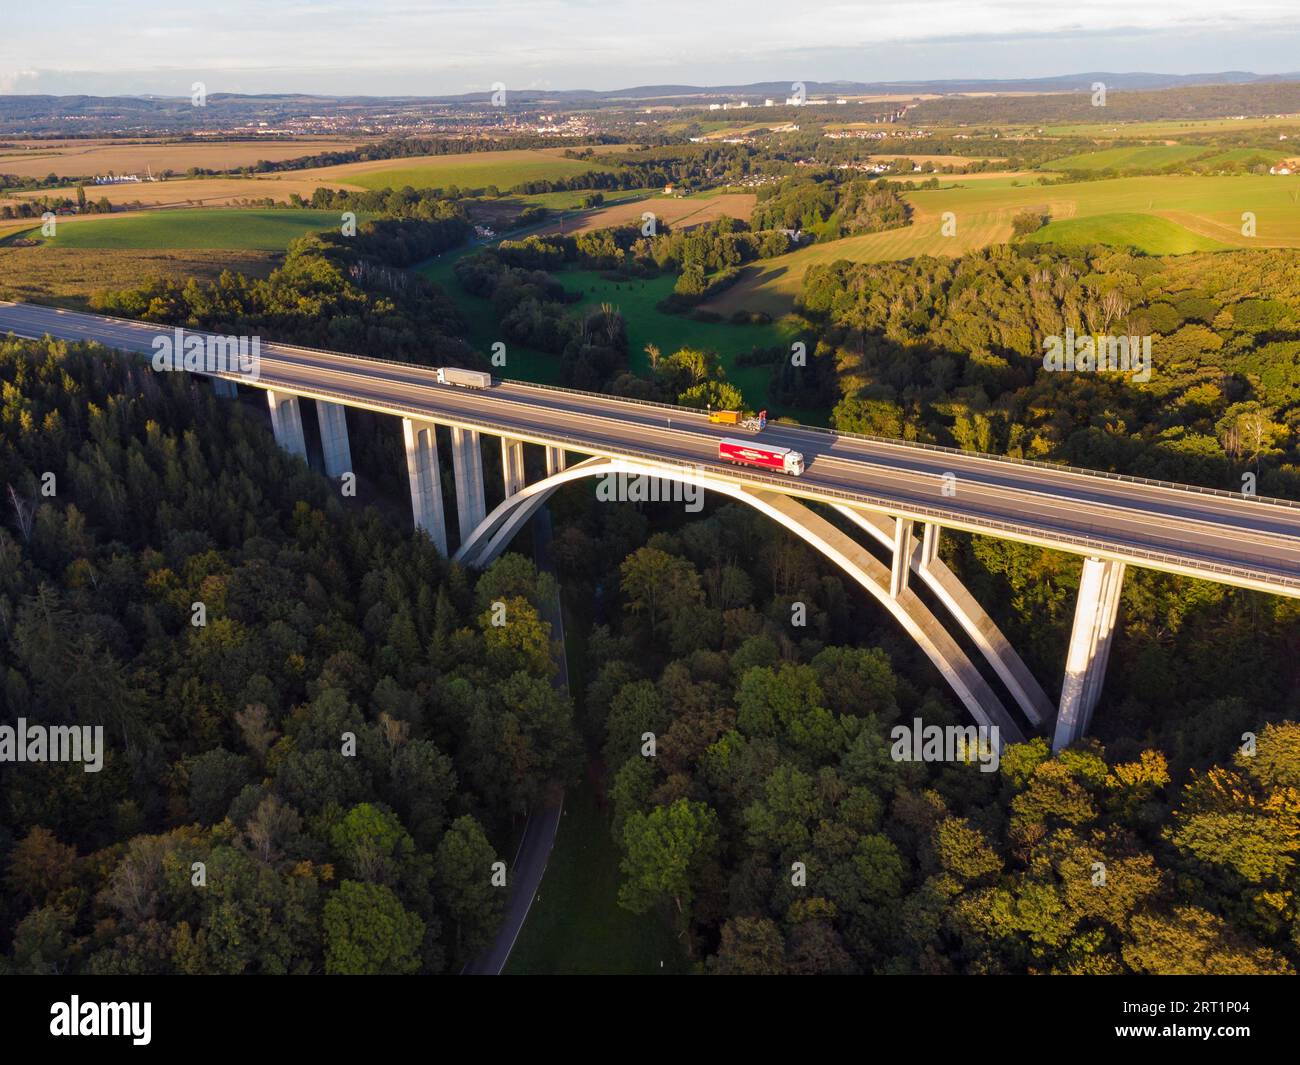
x=972, y=617
x=490, y=537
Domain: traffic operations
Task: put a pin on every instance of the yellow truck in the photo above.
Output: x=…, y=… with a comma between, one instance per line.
x=754, y=423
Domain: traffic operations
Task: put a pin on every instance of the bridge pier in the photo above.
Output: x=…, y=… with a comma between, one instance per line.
x=286, y=422
x=929, y=544
x=1095, y=613
x=426, y=480
x=554, y=461
x=334, y=438
x=225, y=389
x=512, y=465
x=467, y=462
x=973, y=618
x=901, y=563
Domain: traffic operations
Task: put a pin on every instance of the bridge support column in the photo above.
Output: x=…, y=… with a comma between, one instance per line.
x=901, y=564
x=467, y=462
x=426, y=481
x=972, y=617
x=929, y=544
x=334, y=438
x=554, y=461
x=225, y=389
x=1095, y=613
x=512, y=465
x=286, y=422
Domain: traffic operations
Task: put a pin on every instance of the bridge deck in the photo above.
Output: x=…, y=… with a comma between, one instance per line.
x=1220, y=536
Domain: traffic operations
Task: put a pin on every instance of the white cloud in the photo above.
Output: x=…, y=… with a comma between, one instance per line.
x=438, y=46
x=12, y=80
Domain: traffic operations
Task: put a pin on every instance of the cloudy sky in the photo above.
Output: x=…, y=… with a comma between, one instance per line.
x=431, y=47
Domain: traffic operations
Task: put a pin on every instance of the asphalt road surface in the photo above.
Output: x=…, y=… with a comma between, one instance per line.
x=1251, y=542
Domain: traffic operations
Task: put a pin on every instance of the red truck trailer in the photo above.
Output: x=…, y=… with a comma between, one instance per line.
x=747, y=453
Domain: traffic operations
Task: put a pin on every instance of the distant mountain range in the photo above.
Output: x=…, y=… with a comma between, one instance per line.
x=91, y=114
x=1059, y=83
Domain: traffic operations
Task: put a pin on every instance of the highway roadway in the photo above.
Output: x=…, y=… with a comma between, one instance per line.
x=1225, y=537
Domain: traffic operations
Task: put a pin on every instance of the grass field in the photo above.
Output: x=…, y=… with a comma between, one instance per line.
x=576, y=925
x=645, y=325
x=85, y=158
x=1202, y=207
x=1151, y=233
x=988, y=179
x=483, y=327
x=568, y=201
x=467, y=169
x=1143, y=157
x=68, y=277
x=938, y=160
x=189, y=192
x=225, y=229
x=671, y=332
x=1170, y=127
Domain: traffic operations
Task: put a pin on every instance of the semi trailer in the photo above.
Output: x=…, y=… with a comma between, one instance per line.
x=747, y=453
x=451, y=375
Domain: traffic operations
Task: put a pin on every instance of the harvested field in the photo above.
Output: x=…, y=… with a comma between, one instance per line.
x=85, y=158
x=682, y=213
x=939, y=160
x=189, y=192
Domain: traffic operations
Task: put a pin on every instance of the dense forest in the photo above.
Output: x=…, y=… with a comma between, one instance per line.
x=771, y=747
x=827, y=207
x=951, y=351
x=331, y=291
x=344, y=743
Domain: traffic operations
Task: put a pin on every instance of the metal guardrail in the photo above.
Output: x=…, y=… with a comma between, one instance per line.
x=1086, y=543
x=941, y=449
x=843, y=434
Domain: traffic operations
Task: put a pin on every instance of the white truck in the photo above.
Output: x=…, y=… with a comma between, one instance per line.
x=451, y=375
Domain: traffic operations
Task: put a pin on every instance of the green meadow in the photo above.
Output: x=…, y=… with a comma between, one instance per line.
x=576, y=925
x=467, y=170
x=213, y=228
x=646, y=324
x=1187, y=211
x=1151, y=233
x=1142, y=157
